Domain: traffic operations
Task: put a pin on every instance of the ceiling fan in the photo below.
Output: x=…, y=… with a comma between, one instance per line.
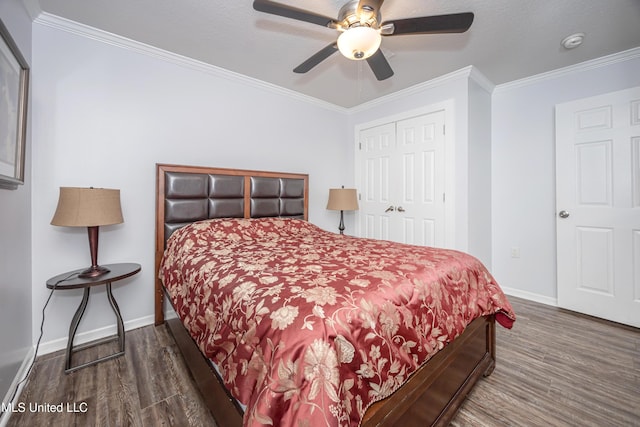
x=361, y=29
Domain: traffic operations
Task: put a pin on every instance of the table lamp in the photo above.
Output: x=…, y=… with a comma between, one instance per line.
x=91, y=208
x=342, y=199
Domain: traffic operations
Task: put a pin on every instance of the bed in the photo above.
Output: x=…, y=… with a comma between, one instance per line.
x=290, y=325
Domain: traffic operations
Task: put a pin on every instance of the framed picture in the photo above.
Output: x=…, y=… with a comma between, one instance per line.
x=14, y=85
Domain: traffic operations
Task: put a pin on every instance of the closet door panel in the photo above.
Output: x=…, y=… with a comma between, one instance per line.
x=403, y=169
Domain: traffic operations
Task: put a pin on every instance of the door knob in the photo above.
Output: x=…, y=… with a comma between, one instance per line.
x=400, y=209
x=389, y=209
x=563, y=214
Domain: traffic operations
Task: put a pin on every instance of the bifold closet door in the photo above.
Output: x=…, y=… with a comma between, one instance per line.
x=403, y=170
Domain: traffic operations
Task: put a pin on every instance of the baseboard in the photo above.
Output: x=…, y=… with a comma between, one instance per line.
x=22, y=372
x=96, y=334
x=542, y=299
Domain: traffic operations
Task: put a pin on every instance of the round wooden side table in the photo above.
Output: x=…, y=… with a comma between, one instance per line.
x=70, y=280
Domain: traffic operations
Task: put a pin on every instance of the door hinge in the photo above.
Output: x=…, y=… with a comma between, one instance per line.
x=443, y=197
x=360, y=146
x=444, y=129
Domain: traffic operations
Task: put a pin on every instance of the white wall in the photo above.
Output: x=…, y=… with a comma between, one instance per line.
x=479, y=171
x=105, y=115
x=523, y=170
x=15, y=235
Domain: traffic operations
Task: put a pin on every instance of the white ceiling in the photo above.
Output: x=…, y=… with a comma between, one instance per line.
x=509, y=39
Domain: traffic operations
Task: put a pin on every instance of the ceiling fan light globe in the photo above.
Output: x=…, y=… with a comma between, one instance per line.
x=359, y=43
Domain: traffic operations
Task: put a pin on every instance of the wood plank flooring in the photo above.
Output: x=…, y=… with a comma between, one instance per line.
x=148, y=386
x=559, y=368
x=555, y=368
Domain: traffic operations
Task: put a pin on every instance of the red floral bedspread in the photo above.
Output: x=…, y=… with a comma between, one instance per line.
x=309, y=328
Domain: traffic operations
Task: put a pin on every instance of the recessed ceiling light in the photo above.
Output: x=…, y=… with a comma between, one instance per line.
x=573, y=41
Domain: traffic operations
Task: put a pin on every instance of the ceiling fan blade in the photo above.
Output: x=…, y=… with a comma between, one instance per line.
x=274, y=8
x=453, y=23
x=369, y=7
x=316, y=59
x=380, y=66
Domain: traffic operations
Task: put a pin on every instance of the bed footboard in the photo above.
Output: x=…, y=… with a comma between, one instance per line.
x=431, y=396
x=434, y=393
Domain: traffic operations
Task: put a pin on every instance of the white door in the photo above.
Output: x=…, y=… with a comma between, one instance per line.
x=598, y=206
x=403, y=170
x=378, y=159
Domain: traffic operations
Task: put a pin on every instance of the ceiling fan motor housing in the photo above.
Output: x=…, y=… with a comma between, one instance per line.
x=348, y=16
x=360, y=37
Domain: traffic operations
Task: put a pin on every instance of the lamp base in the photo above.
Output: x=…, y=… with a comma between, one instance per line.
x=94, y=271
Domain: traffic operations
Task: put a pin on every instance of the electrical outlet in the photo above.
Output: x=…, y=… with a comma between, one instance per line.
x=515, y=252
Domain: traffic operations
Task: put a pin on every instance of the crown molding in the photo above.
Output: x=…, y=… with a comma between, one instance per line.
x=33, y=8
x=86, y=31
x=463, y=73
x=481, y=80
x=469, y=72
x=603, y=61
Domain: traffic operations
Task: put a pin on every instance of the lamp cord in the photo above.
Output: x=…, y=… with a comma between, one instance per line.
x=33, y=361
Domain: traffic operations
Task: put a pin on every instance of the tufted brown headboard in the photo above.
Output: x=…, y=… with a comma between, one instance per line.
x=185, y=194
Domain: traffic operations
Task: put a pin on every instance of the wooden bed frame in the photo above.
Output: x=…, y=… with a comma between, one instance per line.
x=431, y=396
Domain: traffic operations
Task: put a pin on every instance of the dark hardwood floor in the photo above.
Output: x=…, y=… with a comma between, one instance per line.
x=555, y=368
x=148, y=386
x=559, y=368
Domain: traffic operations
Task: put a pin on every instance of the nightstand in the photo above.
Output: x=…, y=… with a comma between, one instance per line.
x=70, y=280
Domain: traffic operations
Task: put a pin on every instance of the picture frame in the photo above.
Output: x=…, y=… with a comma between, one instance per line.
x=14, y=88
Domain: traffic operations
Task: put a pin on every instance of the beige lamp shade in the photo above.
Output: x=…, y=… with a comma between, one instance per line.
x=343, y=199
x=87, y=207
